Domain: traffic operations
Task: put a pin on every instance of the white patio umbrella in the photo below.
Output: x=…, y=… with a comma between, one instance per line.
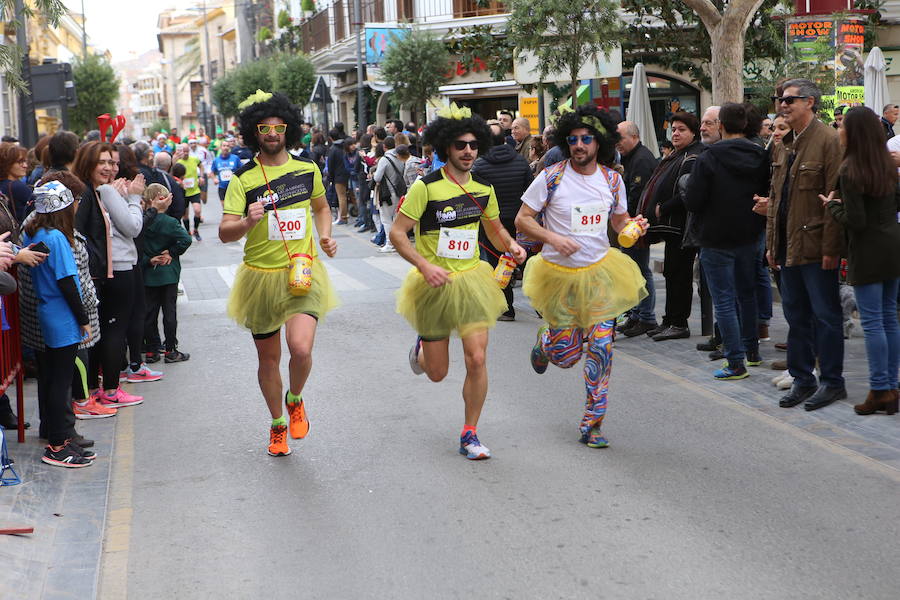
x=875, y=81
x=639, y=111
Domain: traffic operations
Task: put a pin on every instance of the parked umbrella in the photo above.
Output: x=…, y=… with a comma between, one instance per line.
x=875, y=81
x=639, y=111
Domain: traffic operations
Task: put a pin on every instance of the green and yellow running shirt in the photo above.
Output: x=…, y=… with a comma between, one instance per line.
x=294, y=184
x=191, y=181
x=447, y=219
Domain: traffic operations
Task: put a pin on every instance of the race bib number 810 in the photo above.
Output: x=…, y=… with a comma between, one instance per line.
x=457, y=243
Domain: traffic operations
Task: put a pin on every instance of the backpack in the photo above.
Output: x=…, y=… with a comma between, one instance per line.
x=553, y=177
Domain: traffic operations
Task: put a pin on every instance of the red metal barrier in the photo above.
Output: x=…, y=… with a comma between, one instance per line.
x=11, y=369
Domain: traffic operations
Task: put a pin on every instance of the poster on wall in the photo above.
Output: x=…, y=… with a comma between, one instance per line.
x=843, y=38
x=378, y=39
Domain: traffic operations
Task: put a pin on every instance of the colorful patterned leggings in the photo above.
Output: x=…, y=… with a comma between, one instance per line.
x=563, y=347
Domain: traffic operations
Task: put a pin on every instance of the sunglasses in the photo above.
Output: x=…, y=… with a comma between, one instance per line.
x=461, y=144
x=787, y=99
x=266, y=129
x=585, y=139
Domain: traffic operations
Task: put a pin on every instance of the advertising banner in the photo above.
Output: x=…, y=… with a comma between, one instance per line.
x=842, y=38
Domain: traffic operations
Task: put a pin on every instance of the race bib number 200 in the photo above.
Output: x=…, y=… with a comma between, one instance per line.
x=589, y=218
x=457, y=243
x=291, y=223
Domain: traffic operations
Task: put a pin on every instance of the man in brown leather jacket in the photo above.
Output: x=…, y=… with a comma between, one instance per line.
x=806, y=243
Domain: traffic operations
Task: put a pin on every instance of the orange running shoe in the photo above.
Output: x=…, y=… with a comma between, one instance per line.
x=278, y=441
x=299, y=422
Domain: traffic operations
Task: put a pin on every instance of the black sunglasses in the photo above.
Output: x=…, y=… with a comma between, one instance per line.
x=461, y=144
x=788, y=99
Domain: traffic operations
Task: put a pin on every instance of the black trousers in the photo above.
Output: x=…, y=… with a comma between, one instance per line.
x=678, y=270
x=165, y=297
x=55, y=393
x=490, y=254
x=136, y=319
x=116, y=297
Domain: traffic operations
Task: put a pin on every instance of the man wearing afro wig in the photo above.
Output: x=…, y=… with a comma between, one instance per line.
x=273, y=201
x=450, y=290
x=578, y=283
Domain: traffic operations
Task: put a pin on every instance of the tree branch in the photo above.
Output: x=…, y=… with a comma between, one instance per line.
x=708, y=12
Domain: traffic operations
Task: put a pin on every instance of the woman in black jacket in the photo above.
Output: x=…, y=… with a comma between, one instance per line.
x=866, y=204
x=661, y=201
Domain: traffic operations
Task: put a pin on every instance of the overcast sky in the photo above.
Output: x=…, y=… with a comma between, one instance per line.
x=122, y=27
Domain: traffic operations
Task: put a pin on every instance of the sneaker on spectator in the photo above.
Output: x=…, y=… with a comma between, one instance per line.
x=66, y=457
x=119, y=398
x=91, y=409
x=151, y=357
x=176, y=356
x=144, y=373
x=88, y=454
x=82, y=441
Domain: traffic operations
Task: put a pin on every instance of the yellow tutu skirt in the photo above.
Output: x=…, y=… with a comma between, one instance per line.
x=470, y=302
x=584, y=296
x=261, y=302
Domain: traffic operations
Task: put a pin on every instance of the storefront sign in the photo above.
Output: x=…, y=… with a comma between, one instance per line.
x=528, y=108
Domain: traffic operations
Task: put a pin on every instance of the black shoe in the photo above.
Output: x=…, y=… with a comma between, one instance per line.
x=753, y=359
x=176, y=356
x=796, y=396
x=716, y=354
x=639, y=328
x=509, y=315
x=628, y=324
x=82, y=441
x=657, y=330
x=672, y=333
x=88, y=454
x=9, y=421
x=65, y=457
x=824, y=396
x=151, y=357
x=709, y=345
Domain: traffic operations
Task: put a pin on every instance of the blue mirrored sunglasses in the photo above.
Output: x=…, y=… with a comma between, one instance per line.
x=585, y=139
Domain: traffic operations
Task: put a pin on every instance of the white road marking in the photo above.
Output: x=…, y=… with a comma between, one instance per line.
x=392, y=265
x=341, y=281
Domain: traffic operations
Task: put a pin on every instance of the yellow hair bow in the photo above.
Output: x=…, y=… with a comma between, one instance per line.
x=455, y=112
x=259, y=96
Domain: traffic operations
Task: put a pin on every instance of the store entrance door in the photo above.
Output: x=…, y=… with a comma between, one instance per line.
x=490, y=106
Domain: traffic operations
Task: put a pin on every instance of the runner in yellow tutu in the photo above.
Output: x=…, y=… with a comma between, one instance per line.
x=273, y=201
x=578, y=283
x=450, y=290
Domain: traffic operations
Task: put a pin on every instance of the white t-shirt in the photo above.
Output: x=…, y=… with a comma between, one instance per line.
x=579, y=209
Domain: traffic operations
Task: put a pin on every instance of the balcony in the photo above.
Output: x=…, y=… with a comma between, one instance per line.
x=315, y=32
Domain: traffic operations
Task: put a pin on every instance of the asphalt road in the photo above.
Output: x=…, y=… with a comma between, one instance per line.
x=698, y=497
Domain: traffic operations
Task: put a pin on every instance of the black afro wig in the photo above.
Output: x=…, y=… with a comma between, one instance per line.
x=442, y=132
x=276, y=106
x=601, y=125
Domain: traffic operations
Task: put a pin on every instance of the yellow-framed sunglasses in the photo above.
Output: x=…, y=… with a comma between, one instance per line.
x=265, y=128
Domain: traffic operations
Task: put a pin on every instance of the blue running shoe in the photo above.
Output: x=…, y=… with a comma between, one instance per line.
x=539, y=360
x=471, y=448
x=596, y=440
x=728, y=373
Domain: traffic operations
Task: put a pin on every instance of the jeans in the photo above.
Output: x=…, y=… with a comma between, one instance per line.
x=731, y=277
x=646, y=310
x=386, y=211
x=877, y=304
x=763, y=283
x=812, y=307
